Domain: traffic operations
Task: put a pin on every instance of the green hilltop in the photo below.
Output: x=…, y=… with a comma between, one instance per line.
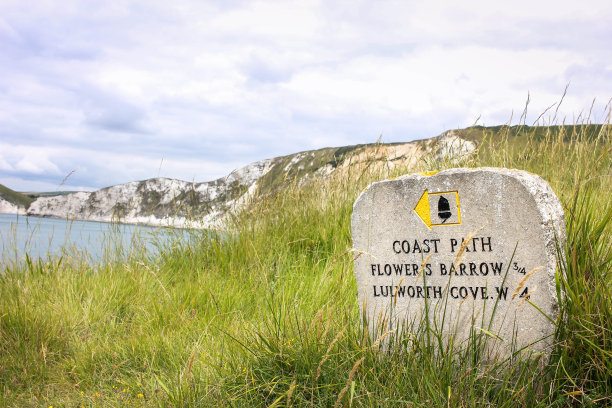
x=522, y=133
x=14, y=197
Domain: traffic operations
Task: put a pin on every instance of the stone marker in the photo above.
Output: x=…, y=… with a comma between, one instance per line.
x=412, y=241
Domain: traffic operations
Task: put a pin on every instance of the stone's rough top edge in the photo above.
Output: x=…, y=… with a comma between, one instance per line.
x=523, y=175
x=456, y=170
x=502, y=170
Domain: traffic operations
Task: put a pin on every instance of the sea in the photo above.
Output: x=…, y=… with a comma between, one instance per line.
x=25, y=238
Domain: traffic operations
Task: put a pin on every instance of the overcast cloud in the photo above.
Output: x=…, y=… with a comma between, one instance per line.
x=129, y=90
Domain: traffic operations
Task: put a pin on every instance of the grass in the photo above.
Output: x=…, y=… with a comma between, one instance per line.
x=267, y=315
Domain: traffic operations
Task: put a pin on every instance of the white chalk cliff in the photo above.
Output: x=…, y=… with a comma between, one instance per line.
x=7, y=207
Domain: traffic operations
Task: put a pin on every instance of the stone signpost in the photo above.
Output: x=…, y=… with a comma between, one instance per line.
x=478, y=246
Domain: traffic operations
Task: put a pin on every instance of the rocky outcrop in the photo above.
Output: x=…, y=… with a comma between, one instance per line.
x=449, y=145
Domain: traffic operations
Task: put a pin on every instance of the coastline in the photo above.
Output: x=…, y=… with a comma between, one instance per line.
x=151, y=221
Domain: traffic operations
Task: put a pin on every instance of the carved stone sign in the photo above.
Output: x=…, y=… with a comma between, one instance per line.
x=477, y=246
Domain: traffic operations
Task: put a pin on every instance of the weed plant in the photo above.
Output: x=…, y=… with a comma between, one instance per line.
x=265, y=314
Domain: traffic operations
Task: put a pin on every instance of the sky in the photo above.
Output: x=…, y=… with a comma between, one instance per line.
x=97, y=93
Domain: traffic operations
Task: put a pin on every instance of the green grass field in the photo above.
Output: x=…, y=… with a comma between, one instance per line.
x=267, y=316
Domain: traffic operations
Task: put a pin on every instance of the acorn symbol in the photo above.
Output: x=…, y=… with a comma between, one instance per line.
x=443, y=209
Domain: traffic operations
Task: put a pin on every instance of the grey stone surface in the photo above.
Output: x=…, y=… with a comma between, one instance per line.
x=505, y=273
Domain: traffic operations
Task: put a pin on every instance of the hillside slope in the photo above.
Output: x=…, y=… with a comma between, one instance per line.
x=170, y=202
x=12, y=202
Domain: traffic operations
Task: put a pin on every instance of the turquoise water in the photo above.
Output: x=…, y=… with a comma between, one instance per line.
x=93, y=241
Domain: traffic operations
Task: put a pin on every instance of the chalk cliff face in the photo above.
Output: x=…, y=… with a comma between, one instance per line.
x=158, y=201
x=7, y=207
x=169, y=202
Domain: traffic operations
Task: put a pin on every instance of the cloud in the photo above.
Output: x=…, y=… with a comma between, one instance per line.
x=91, y=169
x=36, y=185
x=112, y=89
x=36, y=165
x=113, y=114
x=22, y=159
x=5, y=166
